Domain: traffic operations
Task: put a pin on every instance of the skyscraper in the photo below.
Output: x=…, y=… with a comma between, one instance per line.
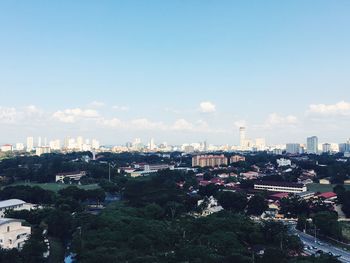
x=312, y=145
x=242, y=138
x=326, y=148
x=293, y=148
x=30, y=144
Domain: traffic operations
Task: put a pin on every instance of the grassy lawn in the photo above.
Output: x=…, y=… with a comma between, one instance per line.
x=322, y=188
x=56, y=187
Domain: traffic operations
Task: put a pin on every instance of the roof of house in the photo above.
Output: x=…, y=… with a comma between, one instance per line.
x=279, y=195
x=327, y=195
x=11, y=202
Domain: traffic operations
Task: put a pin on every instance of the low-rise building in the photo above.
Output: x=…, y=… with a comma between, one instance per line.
x=283, y=187
x=12, y=233
x=237, y=158
x=283, y=162
x=75, y=176
x=14, y=204
x=6, y=148
x=209, y=160
x=325, y=181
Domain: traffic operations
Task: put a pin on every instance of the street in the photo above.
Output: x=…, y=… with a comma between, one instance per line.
x=311, y=247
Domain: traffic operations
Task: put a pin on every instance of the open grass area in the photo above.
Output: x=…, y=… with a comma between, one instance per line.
x=322, y=188
x=56, y=187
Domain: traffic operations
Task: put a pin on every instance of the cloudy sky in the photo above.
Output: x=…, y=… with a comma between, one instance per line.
x=178, y=71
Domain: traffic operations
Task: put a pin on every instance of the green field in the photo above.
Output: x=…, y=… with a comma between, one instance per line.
x=322, y=188
x=56, y=187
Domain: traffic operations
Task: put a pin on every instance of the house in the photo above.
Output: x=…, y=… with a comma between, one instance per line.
x=325, y=181
x=283, y=162
x=14, y=204
x=209, y=206
x=12, y=233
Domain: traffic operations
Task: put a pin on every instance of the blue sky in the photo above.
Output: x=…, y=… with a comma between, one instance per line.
x=150, y=65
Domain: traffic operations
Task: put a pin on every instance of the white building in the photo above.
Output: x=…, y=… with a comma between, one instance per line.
x=13, y=234
x=76, y=176
x=282, y=187
x=6, y=148
x=312, y=145
x=42, y=150
x=95, y=144
x=19, y=146
x=284, y=162
x=14, y=204
x=293, y=148
x=30, y=144
x=55, y=145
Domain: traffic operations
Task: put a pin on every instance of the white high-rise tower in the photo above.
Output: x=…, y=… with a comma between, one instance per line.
x=242, y=138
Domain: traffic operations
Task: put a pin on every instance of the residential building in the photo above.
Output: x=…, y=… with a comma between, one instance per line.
x=283, y=187
x=312, y=145
x=237, y=158
x=42, y=150
x=326, y=148
x=293, y=148
x=30, y=144
x=13, y=234
x=19, y=146
x=6, y=148
x=209, y=160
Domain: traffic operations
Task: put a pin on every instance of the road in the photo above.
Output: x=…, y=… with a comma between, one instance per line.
x=311, y=247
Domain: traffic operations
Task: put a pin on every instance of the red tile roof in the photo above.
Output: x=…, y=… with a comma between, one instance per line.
x=328, y=195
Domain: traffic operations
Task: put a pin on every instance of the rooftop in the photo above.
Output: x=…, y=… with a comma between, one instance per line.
x=281, y=184
x=11, y=202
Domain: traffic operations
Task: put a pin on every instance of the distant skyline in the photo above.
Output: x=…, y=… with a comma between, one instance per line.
x=176, y=71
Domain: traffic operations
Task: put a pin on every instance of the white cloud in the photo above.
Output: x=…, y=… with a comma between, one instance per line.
x=274, y=119
x=8, y=115
x=97, y=104
x=240, y=123
x=145, y=124
x=341, y=108
x=113, y=123
x=182, y=125
x=120, y=108
x=72, y=115
x=207, y=107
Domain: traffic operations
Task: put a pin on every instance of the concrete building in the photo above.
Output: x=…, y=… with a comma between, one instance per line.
x=283, y=162
x=30, y=144
x=75, y=176
x=293, y=148
x=14, y=204
x=326, y=148
x=6, y=148
x=237, y=158
x=42, y=150
x=312, y=145
x=242, y=137
x=13, y=234
x=282, y=187
x=209, y=160
x=19, y=146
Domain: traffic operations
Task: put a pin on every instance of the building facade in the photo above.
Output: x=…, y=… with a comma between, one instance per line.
x=13, y=234
x=209, y=160
x=282, y=187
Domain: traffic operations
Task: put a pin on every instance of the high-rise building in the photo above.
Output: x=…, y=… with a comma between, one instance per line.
x=19, y=146
x=293, y=148
x=80, y=142
x=95, y=144
x=30, y=144
x=42, y=150
x=312, y=145
x=39, y=141
x=260, y=144
x=344, y=147
x=55, y=145
x=242, y=137
x=326, y=148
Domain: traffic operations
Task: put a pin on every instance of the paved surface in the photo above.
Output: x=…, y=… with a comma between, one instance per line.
x=311, y=247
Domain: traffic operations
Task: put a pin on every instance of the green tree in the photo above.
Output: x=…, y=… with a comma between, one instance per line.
x=257, y=205
x=233, y=201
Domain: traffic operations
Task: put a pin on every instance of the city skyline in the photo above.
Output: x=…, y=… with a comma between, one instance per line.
x=119, y=71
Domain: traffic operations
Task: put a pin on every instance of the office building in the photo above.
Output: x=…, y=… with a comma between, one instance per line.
x=282, y=187
x=242, y=137
x=293, y=148
x=312, y=145
x=326, y=148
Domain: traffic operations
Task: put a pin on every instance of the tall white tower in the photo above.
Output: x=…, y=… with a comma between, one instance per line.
x=242, y=138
